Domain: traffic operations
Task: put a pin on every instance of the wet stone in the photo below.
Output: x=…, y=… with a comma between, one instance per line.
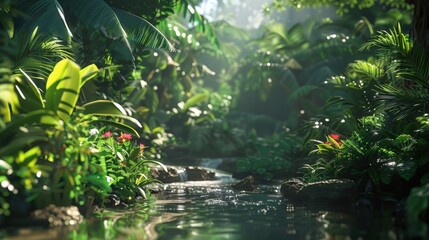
x=172, y=175
x=245, y=184
x=199, y=174
x=331, y=190
x=59, y=216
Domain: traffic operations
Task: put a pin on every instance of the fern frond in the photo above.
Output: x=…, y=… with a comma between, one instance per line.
x=366, y=70
x=402, y=102
x=407, y=60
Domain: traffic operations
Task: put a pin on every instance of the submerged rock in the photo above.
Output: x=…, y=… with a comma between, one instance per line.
x=332, y=190
x=59, y=216
x=245, y=184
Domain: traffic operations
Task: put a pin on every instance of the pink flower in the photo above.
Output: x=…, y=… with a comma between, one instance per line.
x=107, y=134
x=141, y=148
x=124, y=137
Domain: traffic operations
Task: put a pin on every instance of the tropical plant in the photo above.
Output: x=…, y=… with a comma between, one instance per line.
x=405, y=92
x=114, y=30
x=386, y=146
x=126, y=167
x=379, y=150
x=56, y=124
x=323, y=48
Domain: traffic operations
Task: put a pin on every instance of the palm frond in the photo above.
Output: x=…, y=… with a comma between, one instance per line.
x=154, y=11
x=187, y=8
x=402, y=102
x=48, y=16
x=408, y=61
x=37, y=54
x=366, y=70
x=98, y=17
x=141, y=32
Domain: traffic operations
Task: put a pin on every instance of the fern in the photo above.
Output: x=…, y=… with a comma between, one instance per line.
x=407, y=60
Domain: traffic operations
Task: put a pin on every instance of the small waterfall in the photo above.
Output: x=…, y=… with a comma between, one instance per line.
x=211, y=162
x=183, y=175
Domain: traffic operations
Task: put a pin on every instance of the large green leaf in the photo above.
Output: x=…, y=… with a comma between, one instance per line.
x=48, y=15
x=121, y=126
x=37, y=96
x=4, y=165
x=108, y=108
x=88, y=73
x=104, y=107
x=194, y=100
x=20, y=141
x=97, y=16
x=8, y=100
x=39, y=116
x=62, y=88
x=99, y=180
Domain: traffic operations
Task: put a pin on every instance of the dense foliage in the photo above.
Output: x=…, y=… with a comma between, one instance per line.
x=95, y=93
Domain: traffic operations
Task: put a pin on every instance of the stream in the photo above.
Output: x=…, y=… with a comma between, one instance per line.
x=212, y=210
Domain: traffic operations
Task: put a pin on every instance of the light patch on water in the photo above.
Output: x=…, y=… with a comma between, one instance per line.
x=217, y=202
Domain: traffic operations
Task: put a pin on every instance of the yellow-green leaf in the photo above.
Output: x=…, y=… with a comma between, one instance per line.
x=62, y=88
x=34, y=89
x=194, y=100
x=88, y=73
x=104, y=107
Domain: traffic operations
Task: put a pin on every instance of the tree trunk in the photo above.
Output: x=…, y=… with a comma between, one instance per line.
x=420, y=21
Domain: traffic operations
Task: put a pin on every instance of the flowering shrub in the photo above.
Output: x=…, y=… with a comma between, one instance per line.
x=333, y=139
x=126, y=164
x=330, y=146
x=325, y=166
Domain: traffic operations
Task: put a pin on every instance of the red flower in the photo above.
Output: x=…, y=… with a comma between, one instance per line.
x=334, y=136
x=124, y=137
x=107, y=134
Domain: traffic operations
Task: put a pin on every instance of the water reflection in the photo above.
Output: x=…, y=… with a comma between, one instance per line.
x=216, y=212
x=211, y=210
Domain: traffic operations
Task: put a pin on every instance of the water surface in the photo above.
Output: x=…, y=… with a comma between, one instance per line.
x=212, y=210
